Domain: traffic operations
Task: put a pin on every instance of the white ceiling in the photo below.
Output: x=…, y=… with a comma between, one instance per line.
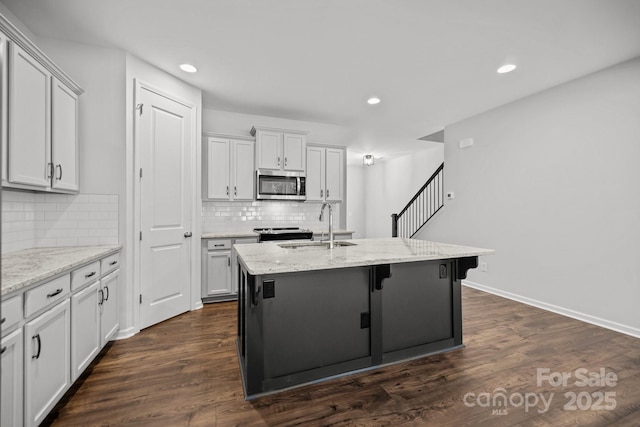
x=432, y=62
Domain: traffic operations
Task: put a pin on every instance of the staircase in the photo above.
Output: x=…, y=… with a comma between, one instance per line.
x=422, y=207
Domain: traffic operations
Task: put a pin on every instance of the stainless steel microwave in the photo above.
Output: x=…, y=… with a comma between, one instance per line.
x=278, y=185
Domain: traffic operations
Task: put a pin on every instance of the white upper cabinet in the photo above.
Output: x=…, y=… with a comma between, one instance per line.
x=293, y=152
x=29, y=125
x=217, y=168
x=315, y=173
x=334, y=174
x=243, y=170
x=280, y=149
x=269, y=150
x=229, y=169
x=39, y=118
x=64, y=137
x=325, y=174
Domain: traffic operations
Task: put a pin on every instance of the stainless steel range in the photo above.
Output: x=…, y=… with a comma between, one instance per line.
x=268, y=234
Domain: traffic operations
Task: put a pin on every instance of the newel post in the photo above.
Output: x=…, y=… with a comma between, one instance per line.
x=394, y=225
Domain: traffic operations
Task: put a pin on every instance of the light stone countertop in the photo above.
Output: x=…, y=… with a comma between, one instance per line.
x=269, y=258
x=26, y=267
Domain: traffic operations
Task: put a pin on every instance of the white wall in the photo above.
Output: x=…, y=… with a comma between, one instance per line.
x=552, y=184
x=240, y=124
x=391, y=183
x=356, y=201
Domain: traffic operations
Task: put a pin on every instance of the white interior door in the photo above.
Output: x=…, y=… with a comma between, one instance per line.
x=166, y=199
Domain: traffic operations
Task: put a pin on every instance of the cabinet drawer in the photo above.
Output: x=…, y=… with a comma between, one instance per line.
x=109, y=263
x=84, y=275
x=11, y=313
x=213, y=245
x=46, y=294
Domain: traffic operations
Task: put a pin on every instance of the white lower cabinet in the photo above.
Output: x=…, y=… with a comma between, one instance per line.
x=85, y=328
x=109, y=307
x=12, y=360
x=47, y=361
x=218, y=273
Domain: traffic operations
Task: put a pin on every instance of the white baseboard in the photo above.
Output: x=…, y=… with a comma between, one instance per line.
x=618, y=327
x=126, y=333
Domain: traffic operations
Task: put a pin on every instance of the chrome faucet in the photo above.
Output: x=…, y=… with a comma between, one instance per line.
x=330, y=222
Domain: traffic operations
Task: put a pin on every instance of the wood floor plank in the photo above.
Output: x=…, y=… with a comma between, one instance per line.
x=184, y=372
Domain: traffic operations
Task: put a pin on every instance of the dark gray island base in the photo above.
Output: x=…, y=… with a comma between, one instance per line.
x=302, y=326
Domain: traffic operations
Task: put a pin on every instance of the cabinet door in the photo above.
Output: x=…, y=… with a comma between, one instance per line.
x=218, y=169
x=109, y=323
x=64, y=137
x=218, y=273
x=334, y=172
x=29, y=130
x=3, y=100
x=85, y=328
x=243, y=170
x=47, y=362
x=269, y=150
x=305, y=326
x=294, y=148
x=11, y=407
x=315, y=173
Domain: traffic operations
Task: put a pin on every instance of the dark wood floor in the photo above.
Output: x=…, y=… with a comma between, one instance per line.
x=184, y=372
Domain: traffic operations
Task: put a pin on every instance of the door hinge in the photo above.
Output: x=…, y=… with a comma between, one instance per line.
x=139, y=108
x=141, y=236
x=140, y=298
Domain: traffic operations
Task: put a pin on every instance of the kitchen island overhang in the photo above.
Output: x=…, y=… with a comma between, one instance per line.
x=308, y=313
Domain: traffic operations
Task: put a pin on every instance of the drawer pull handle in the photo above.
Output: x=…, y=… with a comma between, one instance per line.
x=37, y=355
x=53, y=294
x=219, y=245
x=107, y=297
x=113, y=262
x=93, y=273
x=4, y=319
x=101, y=297
x=3, y=349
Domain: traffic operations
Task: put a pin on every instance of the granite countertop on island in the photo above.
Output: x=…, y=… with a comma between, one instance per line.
x=270, y=258
x=26, y=267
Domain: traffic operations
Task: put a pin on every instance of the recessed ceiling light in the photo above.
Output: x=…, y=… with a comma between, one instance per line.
x=506, y=68
x=188, y=68
x=373, y=101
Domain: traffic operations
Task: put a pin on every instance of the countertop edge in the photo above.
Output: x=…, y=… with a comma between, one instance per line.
x=60, y=269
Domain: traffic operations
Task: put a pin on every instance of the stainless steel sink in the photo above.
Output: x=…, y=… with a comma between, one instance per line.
x=312, y=245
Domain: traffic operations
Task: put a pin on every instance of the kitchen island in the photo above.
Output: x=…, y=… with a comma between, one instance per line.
x=307, y=312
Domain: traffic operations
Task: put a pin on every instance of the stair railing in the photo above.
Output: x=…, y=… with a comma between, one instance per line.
x=421, y=208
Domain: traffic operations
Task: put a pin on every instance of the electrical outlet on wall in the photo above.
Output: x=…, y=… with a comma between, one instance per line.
x=483, y=267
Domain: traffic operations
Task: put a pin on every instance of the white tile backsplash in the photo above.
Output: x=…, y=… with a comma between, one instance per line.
x=41, y=219
x=245, y=216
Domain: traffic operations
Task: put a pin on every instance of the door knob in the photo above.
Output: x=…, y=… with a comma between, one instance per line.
x=188, y=234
